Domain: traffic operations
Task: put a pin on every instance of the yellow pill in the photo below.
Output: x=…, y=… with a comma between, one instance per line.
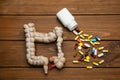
x=100, y=48
x=89, y=67
x=97, y=42
x=81, y=52
x=105, y=51
x=100, y=62
x=86, y=60
x=80, y=44
x=82, y=36
x=75, y=61
x=94, y=63
x=76, y=37
x=92, y=43
x=90, y=36
x=81, y=32
x=86, y=35
x=88, y=57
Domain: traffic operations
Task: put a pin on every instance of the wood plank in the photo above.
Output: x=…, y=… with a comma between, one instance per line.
x=66, y=74
x=36, y=7
x=12, y=26
x=12, y=53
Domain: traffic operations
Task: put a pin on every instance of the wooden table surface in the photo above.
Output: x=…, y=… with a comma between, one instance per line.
x=97, y=17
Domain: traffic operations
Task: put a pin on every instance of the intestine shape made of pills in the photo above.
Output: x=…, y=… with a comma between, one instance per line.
x=33, y=36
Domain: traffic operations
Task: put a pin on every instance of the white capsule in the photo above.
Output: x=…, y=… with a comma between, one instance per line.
x=87, y=45
x=79, y=47
x=75, y=32
x=101, y=55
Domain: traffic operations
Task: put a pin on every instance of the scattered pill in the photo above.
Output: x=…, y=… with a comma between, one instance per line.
x=86, y=35
x=76, y=37
x=80, y=44
x=90, y=36
x=81, y=52
x=100, y=62
x=78, y=40
x=75, y=46
x=100, y=55
x=100, y=48
x=97, y=42
x=105, y=51
x=75, y=32
x=89, y=67
x=79, y=47
x=86, y=45
x=97, y=38
x=87, y=57
x=92, y=43
x=94, y=63
x=75, y=61
x=86, y=60
x=82, y=36
x=81, y=32
x=93, y=40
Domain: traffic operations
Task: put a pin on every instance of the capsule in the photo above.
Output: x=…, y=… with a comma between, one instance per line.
x=75, y=32
x=93, y=40
x=82, y=36
x=82, y=39
x=86, y=39
x=94, y=63
x=105, y=51
x=93, y=44
x=78, y=40
x=97, y=42
x=100, y=55
x=100, y=48
x=86, y=45
x=86, y=35
x=97, y=38
x=100, y=62
x=86, y=60
x=81, y=52
x=89, y=67
x=76, y=37
x=90, y=36
x=75, y=61
x=93, y=50
x=79, y=47
x=75, y=46
x=80, y=32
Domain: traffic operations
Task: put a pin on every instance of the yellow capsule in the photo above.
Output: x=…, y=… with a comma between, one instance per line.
x=86, y=35
x=76, y=37
x=94, y=63
x=92, y=43
x=86, y=60
x=82, y=36
x=80, y=44
x=100, y=62
x=100, y=48
x=81, y=52
x=90, y=36
x=89, y=67
x=88, y=57
x=105, y=51
x=81, y=32
x=97, y=42
x=75, y=61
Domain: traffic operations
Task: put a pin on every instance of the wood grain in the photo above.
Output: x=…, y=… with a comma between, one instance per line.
x=66, y=73
x=13, y=53
x=46, y=7
x=11, y=27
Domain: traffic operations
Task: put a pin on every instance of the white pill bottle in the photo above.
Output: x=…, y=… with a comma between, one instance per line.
x=67, y=19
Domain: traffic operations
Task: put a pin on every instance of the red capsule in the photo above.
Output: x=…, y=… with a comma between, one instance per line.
x=51, y=66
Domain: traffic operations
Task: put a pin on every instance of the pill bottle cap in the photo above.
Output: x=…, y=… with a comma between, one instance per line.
x=67, y=19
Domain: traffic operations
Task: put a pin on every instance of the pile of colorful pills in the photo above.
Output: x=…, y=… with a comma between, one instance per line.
x=86, y=49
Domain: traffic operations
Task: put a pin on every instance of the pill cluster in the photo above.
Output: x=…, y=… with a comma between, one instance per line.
x=85, y=46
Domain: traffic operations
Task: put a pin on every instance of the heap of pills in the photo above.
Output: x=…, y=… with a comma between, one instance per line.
x=86, y=43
